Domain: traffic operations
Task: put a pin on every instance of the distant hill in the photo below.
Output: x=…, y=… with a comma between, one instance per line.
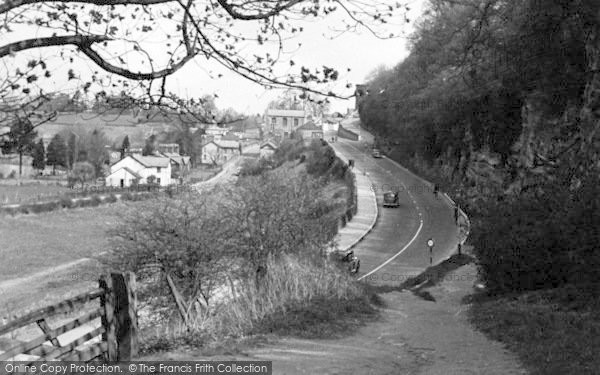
x=115, y=127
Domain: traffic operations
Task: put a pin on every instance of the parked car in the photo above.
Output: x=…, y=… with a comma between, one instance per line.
x=391, y=199
x=377, y=153
x=346, y=260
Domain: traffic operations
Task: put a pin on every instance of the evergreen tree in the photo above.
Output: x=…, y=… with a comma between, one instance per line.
x=57, y=153
x=149, y=147
x=96, y=152
x=125, y=146
x=39, y=156
x=72, y=154
x=21, y=139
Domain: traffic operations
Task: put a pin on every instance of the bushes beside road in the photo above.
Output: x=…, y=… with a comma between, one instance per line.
x=67, y=202
x=243, y=259
x=537, y=256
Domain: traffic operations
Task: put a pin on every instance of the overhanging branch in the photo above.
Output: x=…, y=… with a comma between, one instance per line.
x=84, y=43
x=138, y=76
x=7, y=5
x=76, y=40
x=230, y=9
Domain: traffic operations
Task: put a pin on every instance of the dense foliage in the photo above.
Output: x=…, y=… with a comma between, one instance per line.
x=496, y=100
x=471, y=69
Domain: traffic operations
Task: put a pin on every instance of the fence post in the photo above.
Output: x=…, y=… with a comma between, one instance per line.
x=125, y=315
x=107, y=302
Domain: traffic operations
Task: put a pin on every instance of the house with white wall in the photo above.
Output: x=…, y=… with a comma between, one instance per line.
x=310, y=130
x=137, y=168
x=219, y=152
x=284, y=121
x=267, y=149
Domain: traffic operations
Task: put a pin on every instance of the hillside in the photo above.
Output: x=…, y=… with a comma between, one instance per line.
x=116, y=127
x=504, y=116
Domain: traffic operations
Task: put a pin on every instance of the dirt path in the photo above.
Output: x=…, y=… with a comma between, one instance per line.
x=411, y=336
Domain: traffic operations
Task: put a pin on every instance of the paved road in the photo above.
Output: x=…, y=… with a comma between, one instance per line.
x=396, y=248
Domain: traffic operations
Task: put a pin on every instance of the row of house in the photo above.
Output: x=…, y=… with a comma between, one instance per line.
x=285, y=122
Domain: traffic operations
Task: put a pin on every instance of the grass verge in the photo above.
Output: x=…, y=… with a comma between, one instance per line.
x=301, y=298
x=554, y=331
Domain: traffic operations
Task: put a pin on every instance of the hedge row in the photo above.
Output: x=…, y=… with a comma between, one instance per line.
x=66, y=202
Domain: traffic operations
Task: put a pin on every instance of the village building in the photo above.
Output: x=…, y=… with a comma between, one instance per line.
x=220, y=151
x=180, y=164
x=169, y=148
x=138, y=169
x=215, y=132
x=310, y=131
x=268, y=148
x=284, y=121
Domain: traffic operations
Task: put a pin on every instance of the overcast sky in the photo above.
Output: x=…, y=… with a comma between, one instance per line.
x=353, y=54
x=360, y=52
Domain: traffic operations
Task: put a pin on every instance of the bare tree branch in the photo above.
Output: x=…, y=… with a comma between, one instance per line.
x=138, y=76
x=76, y=40
x=12, y=4
x=258, y=15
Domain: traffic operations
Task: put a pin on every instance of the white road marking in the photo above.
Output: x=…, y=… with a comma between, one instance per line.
x=418, y=211
x=395, y=255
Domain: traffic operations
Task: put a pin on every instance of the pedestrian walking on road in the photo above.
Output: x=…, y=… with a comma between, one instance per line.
x=456, y=212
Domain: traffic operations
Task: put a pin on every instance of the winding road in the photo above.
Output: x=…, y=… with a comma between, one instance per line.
x=411, y=335
x=397, y=247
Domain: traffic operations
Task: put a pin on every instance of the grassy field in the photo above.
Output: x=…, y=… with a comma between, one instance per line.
x=202, y=173
x=28, y=193
x=115, y=127
x=32, y=243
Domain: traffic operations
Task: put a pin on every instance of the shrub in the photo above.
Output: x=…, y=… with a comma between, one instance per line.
x=85, y=202
x=1, y=175
x=542, y=241
x=96, y=200
x=111, y=198
x=82, y=172
x=66, y=202
x=43, y=207
x=12, y=174
x=9, y=210
x=321, y=159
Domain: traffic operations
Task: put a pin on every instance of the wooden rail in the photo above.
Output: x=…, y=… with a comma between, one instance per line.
x=117, y=331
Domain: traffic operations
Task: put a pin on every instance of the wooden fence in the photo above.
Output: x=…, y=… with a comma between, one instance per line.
x=115, y=335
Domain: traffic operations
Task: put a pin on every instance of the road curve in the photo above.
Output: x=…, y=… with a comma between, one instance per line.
x=397, y=248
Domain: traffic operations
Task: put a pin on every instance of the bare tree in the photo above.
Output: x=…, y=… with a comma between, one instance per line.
x=178, y=240
x=274, y=214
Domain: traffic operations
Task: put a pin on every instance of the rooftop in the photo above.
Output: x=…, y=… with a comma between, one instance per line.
x=309, y=126
x=227, y=144
x=152, y=161
x=286, y=113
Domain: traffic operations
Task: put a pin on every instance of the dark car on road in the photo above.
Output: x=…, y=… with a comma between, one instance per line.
x=391, y=199
x=377, y=153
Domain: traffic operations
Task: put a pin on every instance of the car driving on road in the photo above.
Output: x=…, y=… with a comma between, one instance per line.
x=391, y=199
x=377, y=153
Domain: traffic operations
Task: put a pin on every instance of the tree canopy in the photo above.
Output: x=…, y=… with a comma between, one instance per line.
x=475, y=66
